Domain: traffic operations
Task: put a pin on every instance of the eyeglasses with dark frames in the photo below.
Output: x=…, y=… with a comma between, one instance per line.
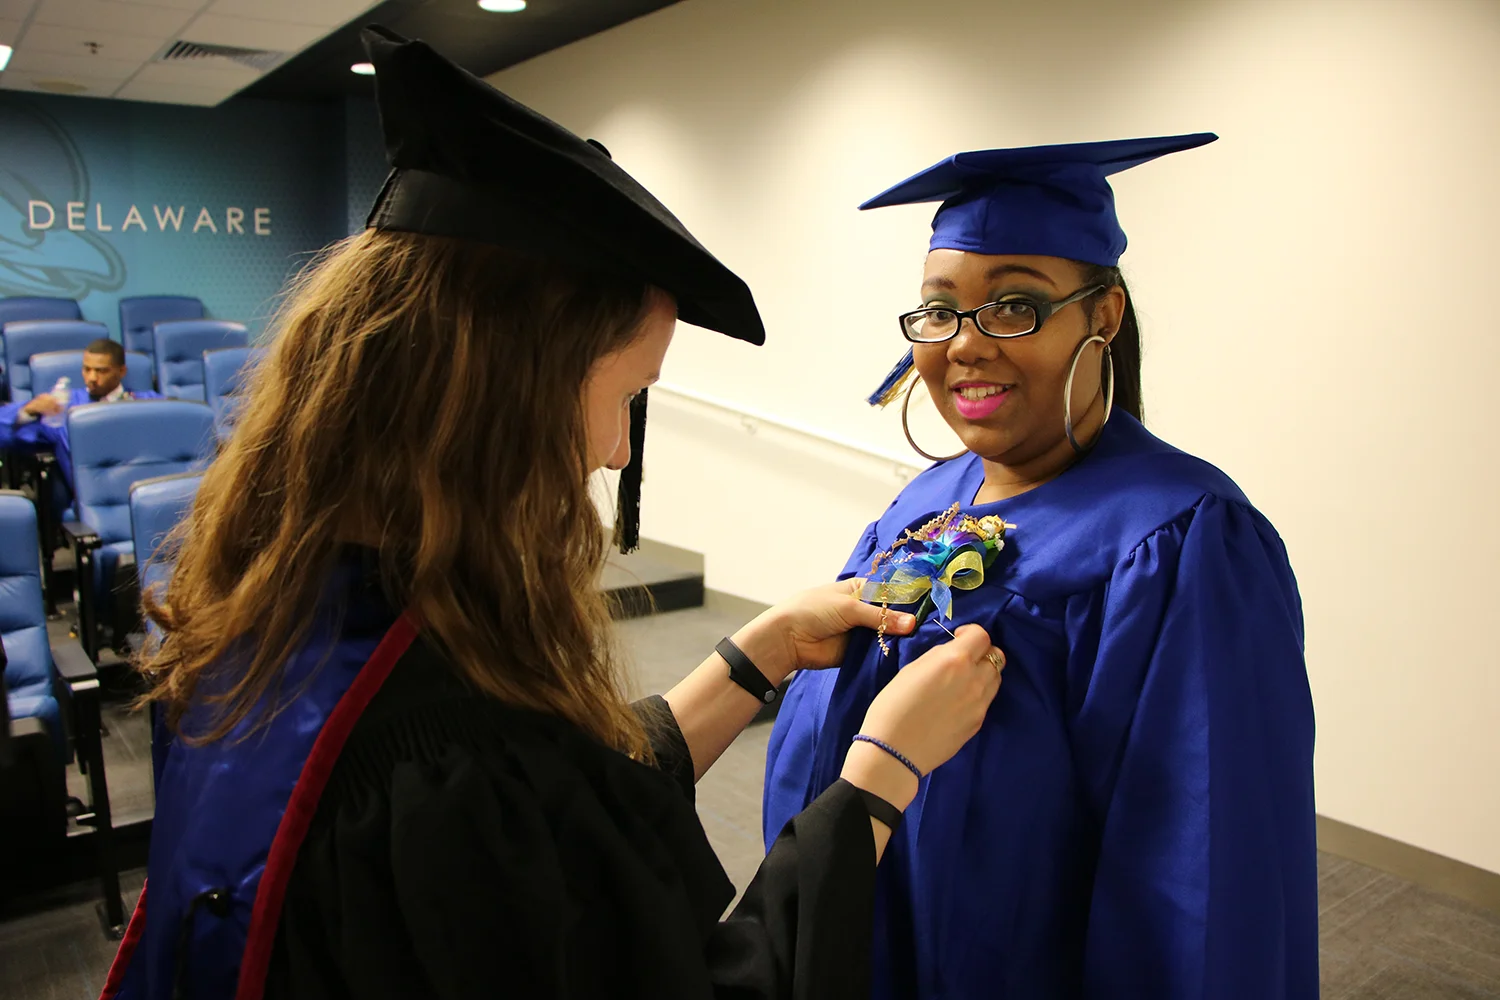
x=1016, y=316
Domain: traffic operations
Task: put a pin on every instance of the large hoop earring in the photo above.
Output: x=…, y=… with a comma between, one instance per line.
x=906, y=429
x=1106, y=363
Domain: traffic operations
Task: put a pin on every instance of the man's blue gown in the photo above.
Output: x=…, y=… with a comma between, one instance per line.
x=39, y=434
x=1135, y=818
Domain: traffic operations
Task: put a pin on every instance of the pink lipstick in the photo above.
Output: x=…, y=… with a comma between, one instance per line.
x=977, y=400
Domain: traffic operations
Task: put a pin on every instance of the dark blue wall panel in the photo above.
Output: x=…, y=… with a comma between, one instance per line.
x=104, y=199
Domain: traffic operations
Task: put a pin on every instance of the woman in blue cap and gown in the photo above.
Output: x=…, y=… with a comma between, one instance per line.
x=1135, y=817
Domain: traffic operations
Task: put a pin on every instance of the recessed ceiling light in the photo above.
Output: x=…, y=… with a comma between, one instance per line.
x=502, y=6
x=363, y=69
x=4, y=55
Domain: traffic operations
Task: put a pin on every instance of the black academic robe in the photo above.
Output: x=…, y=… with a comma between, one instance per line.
x=463, y=848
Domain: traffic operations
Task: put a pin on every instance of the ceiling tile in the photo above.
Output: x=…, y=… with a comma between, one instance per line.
x=9, y=31
x=113, y=15
x=85, y=66
x=166, y=93
x=276, y=36
x=44, y=83
x=15, y=10
x=315, y=12
x=112, y=44
x=207, y=73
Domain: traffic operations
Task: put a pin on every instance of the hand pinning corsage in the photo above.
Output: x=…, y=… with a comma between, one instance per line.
x=924, y=567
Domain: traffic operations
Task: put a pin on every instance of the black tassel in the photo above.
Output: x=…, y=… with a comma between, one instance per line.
x=628, y=503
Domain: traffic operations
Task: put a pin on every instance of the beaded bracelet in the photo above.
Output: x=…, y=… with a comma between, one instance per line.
x=862, y=738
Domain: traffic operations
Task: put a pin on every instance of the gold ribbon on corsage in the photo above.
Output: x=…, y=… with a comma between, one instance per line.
x=925, y=566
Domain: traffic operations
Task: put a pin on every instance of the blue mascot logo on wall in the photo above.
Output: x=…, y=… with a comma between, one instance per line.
x=63, y=261
x=104, y=200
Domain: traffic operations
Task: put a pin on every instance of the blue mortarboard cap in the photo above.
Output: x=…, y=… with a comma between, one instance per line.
x=1054, y=201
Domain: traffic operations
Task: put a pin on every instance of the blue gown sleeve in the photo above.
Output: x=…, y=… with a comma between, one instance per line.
x=8, y=414
x=1193, y=732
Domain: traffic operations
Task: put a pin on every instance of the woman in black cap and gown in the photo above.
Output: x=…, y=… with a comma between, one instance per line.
x=402, y=763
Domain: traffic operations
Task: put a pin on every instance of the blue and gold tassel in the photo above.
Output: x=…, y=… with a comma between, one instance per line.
x=895, y=383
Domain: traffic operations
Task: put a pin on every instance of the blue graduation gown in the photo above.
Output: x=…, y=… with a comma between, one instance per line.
x=1135, y=818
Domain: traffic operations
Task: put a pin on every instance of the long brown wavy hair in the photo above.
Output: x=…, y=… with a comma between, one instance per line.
x=422, y=396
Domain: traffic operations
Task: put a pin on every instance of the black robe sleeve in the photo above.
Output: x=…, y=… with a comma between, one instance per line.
x=464, y=849
x=668, y=743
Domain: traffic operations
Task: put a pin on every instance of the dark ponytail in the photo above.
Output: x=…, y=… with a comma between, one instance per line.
x=1125, y=349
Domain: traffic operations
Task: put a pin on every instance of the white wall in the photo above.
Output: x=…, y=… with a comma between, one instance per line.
x=1318, y=291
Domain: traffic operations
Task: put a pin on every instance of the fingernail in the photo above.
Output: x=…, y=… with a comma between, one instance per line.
x=905, y=621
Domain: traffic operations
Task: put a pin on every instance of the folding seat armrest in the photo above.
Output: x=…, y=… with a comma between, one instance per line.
x=80, y=535
x=74, y=666
x=47, y=473
x=47, y=469
x=85, y=540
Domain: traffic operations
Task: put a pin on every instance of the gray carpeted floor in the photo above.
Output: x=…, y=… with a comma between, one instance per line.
x=1386, y=939
x=1382, y=938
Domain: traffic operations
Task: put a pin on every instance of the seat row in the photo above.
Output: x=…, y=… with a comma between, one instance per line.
x=139, y=314
x=213, y=377
x=45, y=453
x=174, y=368
x=51, y=712
x=114, y=446
x=135, y=468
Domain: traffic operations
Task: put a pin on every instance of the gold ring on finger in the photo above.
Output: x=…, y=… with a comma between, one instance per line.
x=995, y=661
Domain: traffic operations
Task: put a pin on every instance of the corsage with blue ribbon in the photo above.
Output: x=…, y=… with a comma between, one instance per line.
x=925, y=566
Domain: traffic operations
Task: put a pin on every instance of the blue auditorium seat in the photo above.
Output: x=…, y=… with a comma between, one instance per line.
x=47, y=368
x=179, y=353
x=52, y=480
x=113, y=446
x=45, y=684
x=156, y=507
x=224, y=374
x=23, y=308
x=29, y=677
x=139, y=315
x=26, y=308
x=24, y=339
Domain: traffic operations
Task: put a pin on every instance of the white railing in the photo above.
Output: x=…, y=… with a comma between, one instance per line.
x=903, y=466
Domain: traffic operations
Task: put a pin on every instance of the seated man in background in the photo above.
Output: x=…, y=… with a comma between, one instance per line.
x=103, y=382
